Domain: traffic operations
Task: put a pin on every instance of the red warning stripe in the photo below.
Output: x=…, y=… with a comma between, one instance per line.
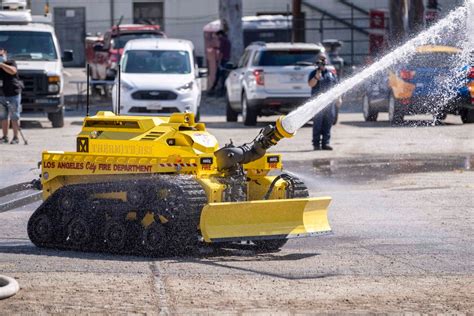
x=178, y=164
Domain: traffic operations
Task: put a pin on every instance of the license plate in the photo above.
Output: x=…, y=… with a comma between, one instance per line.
x=155, y=106
x=296, y=77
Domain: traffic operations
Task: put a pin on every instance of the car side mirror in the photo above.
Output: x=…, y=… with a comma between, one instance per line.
x=202, y=72
x=230, y=66
x=68, y=56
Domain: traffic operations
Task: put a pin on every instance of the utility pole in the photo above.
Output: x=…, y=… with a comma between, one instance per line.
x=112, y=12
x=230, y=14
x=407, y=17
x=416, y=16
x=298, y=22
x=397, y=24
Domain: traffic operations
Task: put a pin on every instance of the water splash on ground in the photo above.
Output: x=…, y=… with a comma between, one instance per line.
x=453, y=23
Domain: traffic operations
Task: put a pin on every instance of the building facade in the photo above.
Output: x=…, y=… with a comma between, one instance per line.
x=185, y=19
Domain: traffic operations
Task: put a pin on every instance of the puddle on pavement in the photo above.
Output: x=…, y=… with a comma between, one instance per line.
x=357, y=170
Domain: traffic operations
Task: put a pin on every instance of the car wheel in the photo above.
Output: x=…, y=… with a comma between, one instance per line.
x=57, y=118
x=249, y=115
x=231, y=115
x=395, y=115
x=467, y=116
x=440, y=116
x=370, y=115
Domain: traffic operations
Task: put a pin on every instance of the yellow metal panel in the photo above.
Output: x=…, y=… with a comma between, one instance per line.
x=267, y=162
x=148, y=219
x=258, y=187
x=256, y=219
x=213, y=189
x=131, y=216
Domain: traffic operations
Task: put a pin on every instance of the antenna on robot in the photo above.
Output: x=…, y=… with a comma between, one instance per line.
x=87, y=89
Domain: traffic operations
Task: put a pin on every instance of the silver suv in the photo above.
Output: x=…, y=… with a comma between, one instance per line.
x=270, y=78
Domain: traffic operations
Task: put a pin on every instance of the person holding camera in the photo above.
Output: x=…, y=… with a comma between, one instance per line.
x=10, y=101
x=320, y=80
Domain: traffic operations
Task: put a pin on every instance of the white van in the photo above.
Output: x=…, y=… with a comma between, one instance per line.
x=158, y=76
x=35, y=49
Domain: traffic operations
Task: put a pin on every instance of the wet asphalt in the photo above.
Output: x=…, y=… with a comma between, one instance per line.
x=402, y=214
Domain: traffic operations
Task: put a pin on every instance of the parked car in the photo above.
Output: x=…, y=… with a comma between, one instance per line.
x=420, y=86
x=31, y=41
x=158, y=75
x=270, y=78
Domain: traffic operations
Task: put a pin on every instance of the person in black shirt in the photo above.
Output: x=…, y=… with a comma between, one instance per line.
x=321, y=80
x=223, y=59
x=10, y=101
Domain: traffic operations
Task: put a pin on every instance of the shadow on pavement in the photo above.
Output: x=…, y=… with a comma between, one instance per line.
x=232, y=253
x=30, y=124
x=283, y=275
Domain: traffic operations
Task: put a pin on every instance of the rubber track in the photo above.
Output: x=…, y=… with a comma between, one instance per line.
x=300, y=190
x=188, y=198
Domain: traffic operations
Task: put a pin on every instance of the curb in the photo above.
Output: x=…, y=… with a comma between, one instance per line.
x=8, y=287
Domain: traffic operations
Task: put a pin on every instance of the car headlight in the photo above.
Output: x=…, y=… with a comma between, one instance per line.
x=53, y=88
x=126, y=86
x=186, y=87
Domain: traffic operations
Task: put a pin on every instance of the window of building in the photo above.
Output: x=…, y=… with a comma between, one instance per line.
x=148, y=13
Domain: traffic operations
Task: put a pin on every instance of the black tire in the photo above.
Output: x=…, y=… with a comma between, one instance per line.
x=467, y=116
x=69, y=201
x=115, y=235
x=57, y=118
x=79, y=231
x=440, y=116
x=395, y=114
x=140, y=196
x=370, y=114
x=249, y=114
x=231, y=115
x=41, y=229
x=154, y=239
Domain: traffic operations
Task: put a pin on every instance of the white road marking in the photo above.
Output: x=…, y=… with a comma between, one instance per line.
x=163, y=299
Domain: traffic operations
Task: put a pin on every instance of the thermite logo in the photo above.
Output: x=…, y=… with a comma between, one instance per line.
x=273, y=159
x=82, y=145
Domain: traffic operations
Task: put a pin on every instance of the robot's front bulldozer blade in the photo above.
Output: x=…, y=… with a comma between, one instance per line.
x=265, y=219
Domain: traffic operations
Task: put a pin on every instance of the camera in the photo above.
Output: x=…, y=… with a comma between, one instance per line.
x=321, y=63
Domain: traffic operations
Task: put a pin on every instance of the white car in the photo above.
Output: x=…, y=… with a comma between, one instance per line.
x=271, y=78
x=32, y=43
x=158, y=76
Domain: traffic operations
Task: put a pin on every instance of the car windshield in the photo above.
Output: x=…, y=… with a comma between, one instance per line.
x=432, y=60
x=120, y=41
x=285, y=57
x=156, y=62
x=23, y=45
